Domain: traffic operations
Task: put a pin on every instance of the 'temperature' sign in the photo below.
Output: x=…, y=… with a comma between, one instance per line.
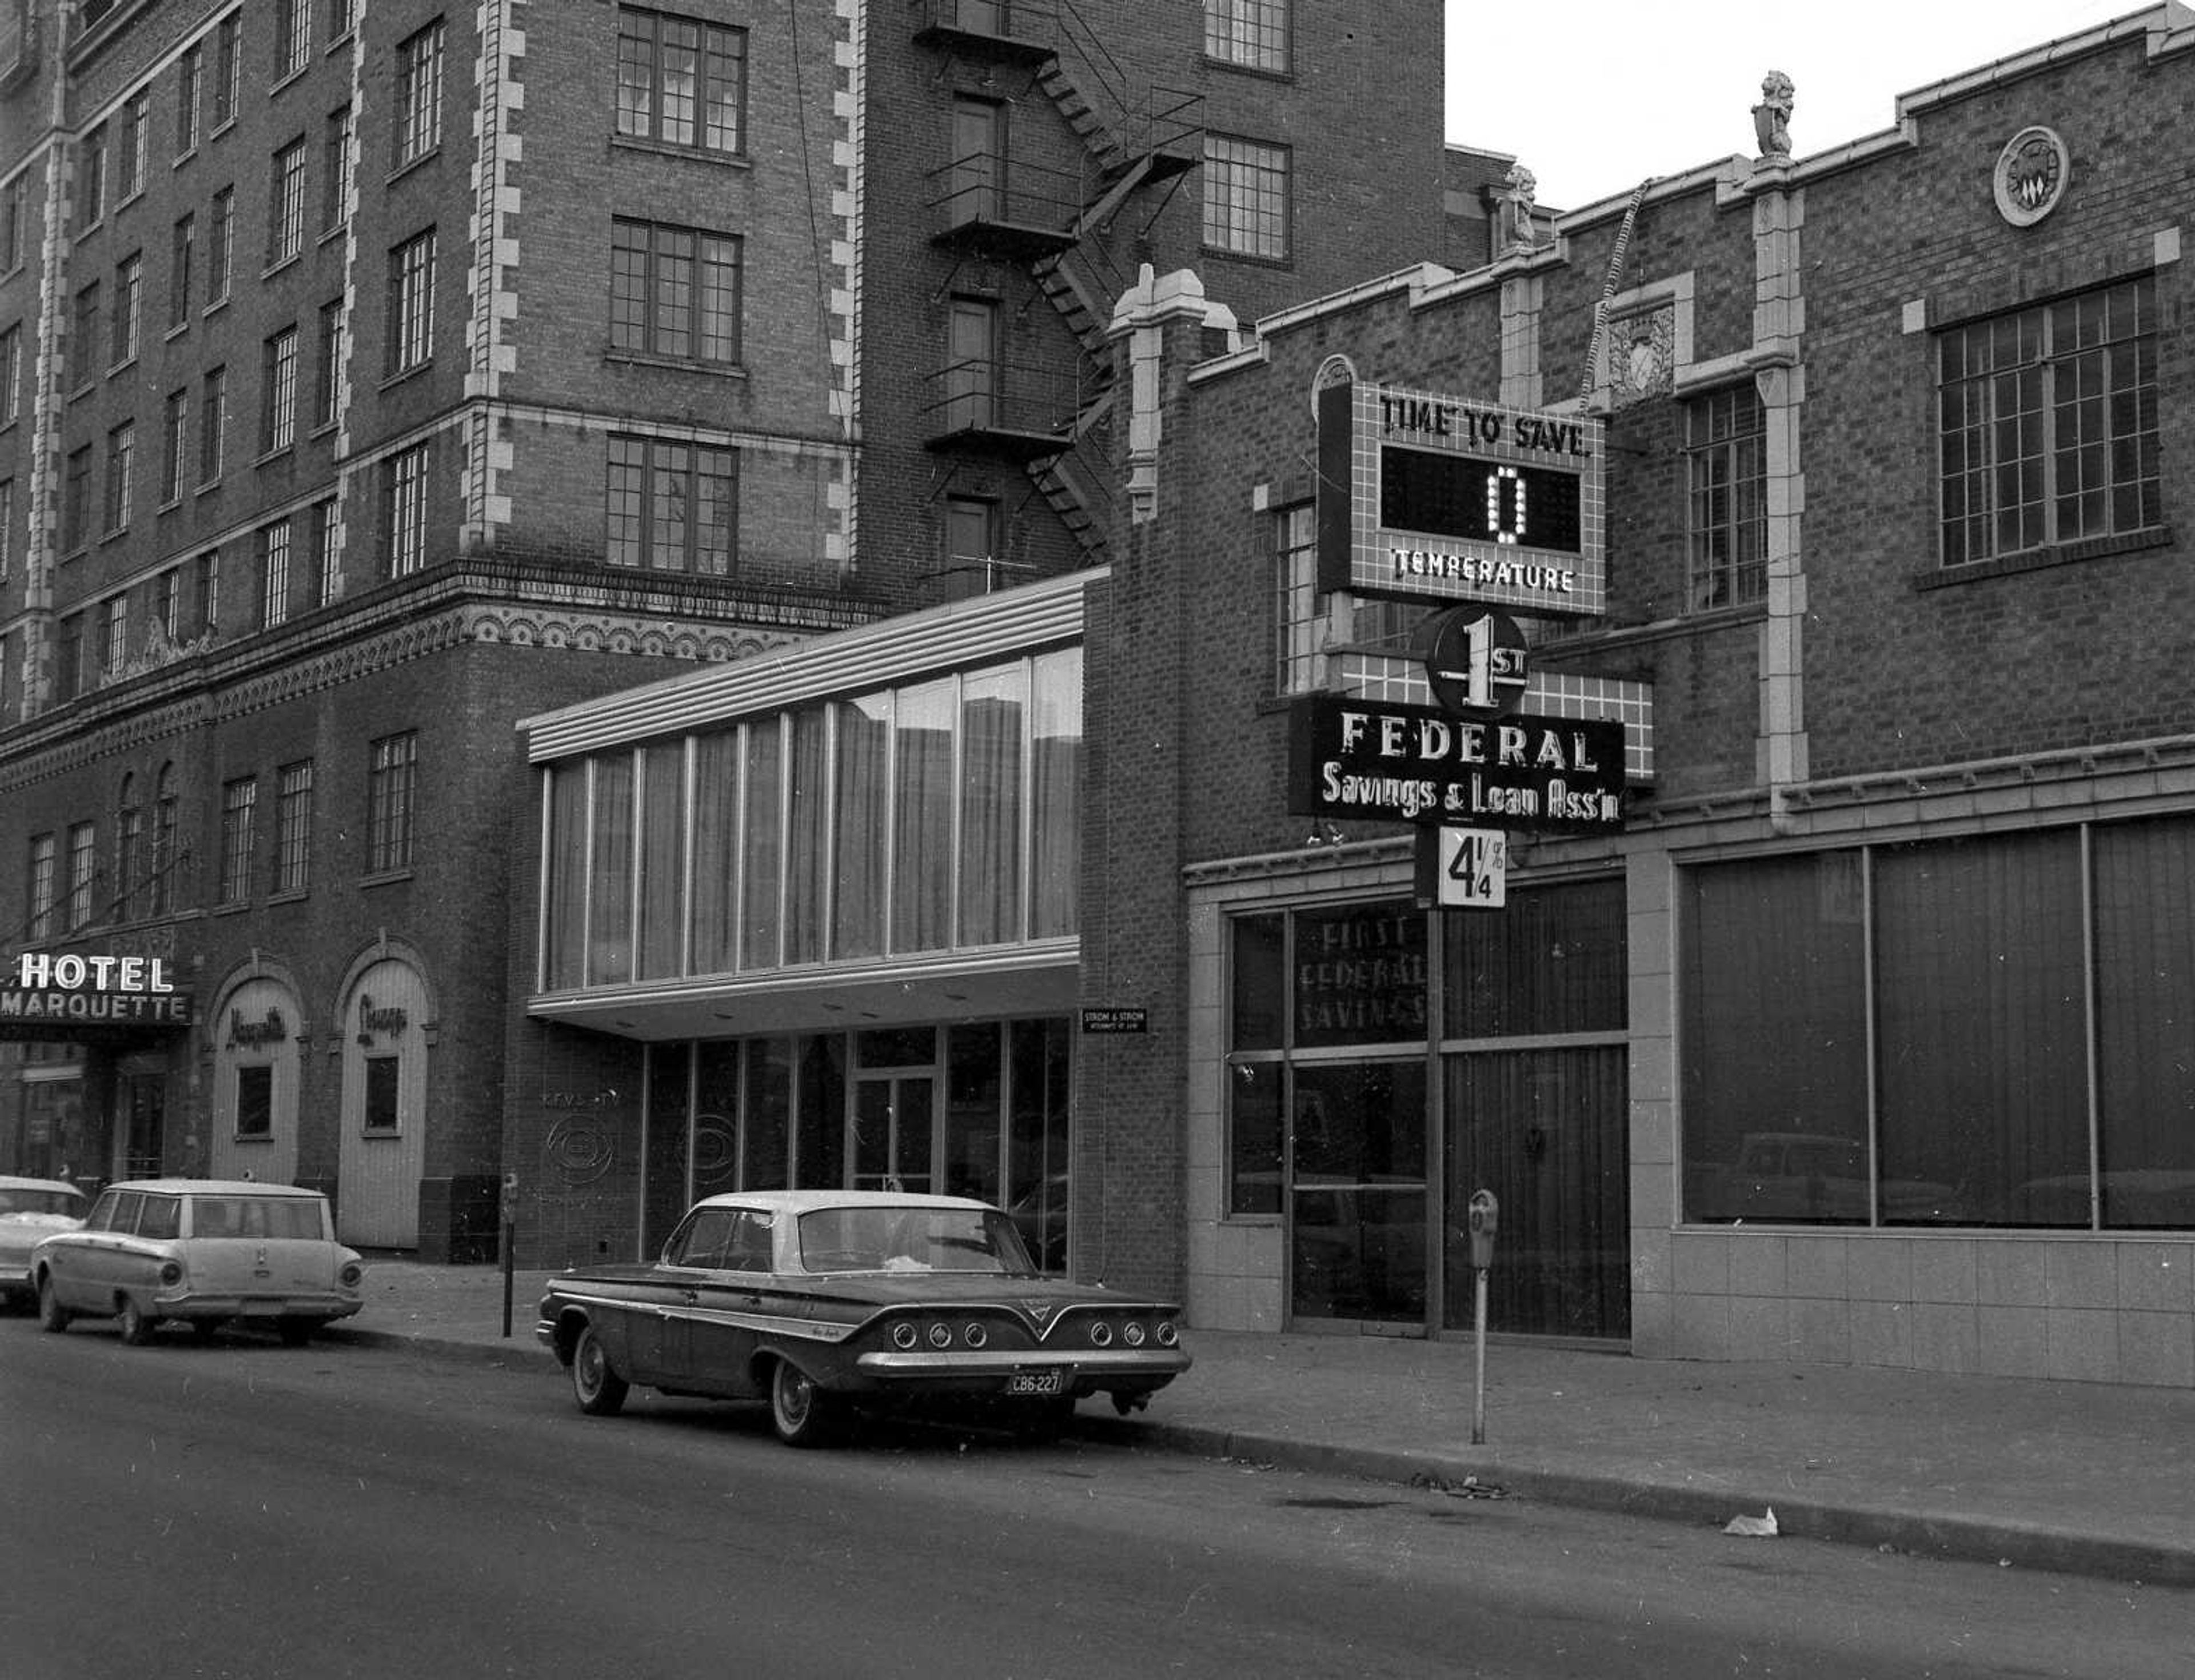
x=1396, y=763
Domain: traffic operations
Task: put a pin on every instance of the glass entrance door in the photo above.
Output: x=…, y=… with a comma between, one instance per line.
x=893, y=1132
x=1357, y=1188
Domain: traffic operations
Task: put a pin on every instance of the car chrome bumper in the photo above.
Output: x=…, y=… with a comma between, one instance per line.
x=1096, y=1364
x=257, y=1306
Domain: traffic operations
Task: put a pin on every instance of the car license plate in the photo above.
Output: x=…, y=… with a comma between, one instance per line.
x=1033, y=1382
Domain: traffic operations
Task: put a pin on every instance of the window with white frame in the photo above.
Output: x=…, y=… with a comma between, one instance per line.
x=129, y=146
x=273, y=574
x=221, y=246
x=293, y=827
x=680, y=81
x=392, y=774
x=293, y=37
x=11, y=373
x=327, y=579
x=404, y=505
x=213, y=423
x=1252, y=34
x=336, y=168
x=278, y=413
x=239, y=801
x=1725, y=437
x=121, y=476
x=14, y=216
x=91, y=179
x=174, y=444
x=182, y=250
x=83, y=872
x=419, y=94
x=411, y=302
x=128, y=303
x=190, y=91
x=1246, y=197
x=285, y=210
x=128, y=895
x=1300, y=626
x=2049, y=423
x=113, y=633
x=228, y=69
x=44, y=880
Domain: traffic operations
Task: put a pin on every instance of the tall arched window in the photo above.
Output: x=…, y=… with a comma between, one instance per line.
x=129, y=882
x=161, y=897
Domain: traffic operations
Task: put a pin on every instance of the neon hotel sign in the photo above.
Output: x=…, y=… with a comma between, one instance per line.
x=96, y=990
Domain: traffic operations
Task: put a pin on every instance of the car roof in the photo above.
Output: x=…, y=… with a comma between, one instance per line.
x=9, y=1183
x=213, y=1187
x=807, y=1201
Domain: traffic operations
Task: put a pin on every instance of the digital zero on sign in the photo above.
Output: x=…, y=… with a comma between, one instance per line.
x=1430, y=497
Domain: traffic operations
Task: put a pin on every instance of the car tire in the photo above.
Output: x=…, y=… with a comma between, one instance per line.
x=52, y=1315
x=295, y=1331
x=802, y=1414
x=596, y=1384
x=137, y=1324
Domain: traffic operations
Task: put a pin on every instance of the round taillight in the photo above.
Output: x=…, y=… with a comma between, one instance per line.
x=976, y=1336
x=171, y=1273
x=941, y=1335
x=1132, y=1335
x=352, y=1275
x=904, y=1335
x=1101, y=1334
x=1167, y=1334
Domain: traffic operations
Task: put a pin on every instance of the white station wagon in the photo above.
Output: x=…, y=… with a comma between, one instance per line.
x=203, y=1251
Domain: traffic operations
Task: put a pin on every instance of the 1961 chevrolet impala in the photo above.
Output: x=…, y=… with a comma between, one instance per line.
x=830, y=1302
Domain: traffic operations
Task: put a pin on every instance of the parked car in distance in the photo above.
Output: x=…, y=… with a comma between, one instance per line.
x=202, y=1251
x=828, y=1303
x=32, y=1210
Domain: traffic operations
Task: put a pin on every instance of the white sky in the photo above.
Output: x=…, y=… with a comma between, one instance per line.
x=1592, y=95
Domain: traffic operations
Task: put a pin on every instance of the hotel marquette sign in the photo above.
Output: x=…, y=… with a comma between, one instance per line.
x=1475, y=509
x=71, y=996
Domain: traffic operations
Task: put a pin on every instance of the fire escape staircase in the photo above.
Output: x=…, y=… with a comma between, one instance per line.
x=1138, y=155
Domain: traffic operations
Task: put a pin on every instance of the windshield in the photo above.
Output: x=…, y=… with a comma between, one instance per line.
x=42, y=1201
x=912, y=1239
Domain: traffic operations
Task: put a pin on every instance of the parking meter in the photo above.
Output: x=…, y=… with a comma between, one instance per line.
x=1484, y=1215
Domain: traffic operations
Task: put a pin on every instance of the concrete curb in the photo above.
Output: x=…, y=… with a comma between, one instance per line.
x=1924, y=1533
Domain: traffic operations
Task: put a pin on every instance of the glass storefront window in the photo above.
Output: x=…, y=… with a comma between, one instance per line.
x=922, y=806
x=991, y=709
x=862, y=806
x=662, y=859
x=609, y=885
x=762, y=845
x=1055, y=793
x=712, y=924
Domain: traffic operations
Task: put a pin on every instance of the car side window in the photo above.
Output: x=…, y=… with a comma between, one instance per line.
x=704, y=1240
x=748, y=1249
x=102, y=1216
x=162, y=1217
x=122, y=1218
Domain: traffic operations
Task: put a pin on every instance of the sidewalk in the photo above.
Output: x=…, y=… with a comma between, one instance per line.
x=2087, y=1478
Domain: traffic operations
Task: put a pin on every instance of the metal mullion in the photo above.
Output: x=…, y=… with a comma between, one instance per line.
x=543, y=911
x=1025, y=768
x=2090, y=1025
x=1870, y=1010
x=637, y=863
x=587, y=879
x=689, y=768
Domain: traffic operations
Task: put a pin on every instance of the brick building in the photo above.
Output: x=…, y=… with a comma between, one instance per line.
x=374, y=373
x=1792, y=542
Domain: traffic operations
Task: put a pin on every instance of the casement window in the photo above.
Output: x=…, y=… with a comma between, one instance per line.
x=183, y=253
x=392, y=770
x=129, y=897
x=83, y=337
x=113, y=633
x=335, y=168
x=1298, y=626
x=44, y=875
x=221, y=252
x=2049, y=425
x=293, y=37
x=166, y=809
x=681, y=81
x=166, y=601
x=411, y=302
x=129, y=305
x=121, y=476
x=206, y=590
x=343, y=18
x=129, y=146
x=293, y=827
x=672, y=506
x=15, y=213
x=404, y=509
x=213, y=424
x=327, y=389
x=228, y=69
x=11, y=374
x=674, y=291
x=83, y=871
x=91, y=179
x=278, y=410
x=1246, y=197
x=1727, y=502
x=190, y=91
x=1251, y=34
x=419, y=94
x=239, y=800
x=327, y=578
x=175, y=443
x=286, y=209
x=274, y=542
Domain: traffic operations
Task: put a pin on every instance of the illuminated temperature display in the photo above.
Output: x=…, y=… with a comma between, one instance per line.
x=1471, y=499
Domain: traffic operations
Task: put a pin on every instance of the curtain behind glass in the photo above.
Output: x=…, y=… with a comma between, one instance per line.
x=860, y=825
x=1773, y=1003
x=820, y=1152
x=2145, y=898
x=767, y=1125
x=564, y=867
x=922, y=818
x=715, y=922
x=808, y=859
x=991, y=707
x=1055, y=794
x=609, y=893
x=762, y=840
x=1981, y=1029
x=662, y=858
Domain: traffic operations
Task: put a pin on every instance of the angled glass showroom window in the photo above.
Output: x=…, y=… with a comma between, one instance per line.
x=937, y=816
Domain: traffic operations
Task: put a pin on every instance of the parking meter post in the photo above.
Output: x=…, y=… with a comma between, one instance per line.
x=1483, y=1214
x=509, y=1214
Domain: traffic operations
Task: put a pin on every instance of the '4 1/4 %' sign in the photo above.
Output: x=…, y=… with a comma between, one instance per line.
x=1396, y=763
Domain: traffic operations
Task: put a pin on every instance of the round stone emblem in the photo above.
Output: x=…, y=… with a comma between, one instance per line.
x=2030, y=176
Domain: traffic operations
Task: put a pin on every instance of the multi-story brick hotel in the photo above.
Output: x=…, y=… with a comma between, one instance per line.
x=374, y=373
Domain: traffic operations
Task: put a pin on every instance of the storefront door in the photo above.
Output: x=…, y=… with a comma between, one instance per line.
x=893, y=1130
x=1357, y=1193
